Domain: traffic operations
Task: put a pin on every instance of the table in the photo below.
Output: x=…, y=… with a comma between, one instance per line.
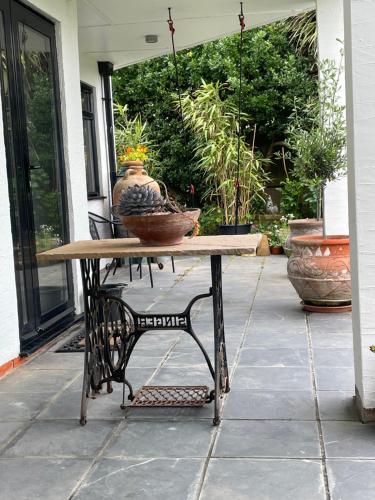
x=113, y=328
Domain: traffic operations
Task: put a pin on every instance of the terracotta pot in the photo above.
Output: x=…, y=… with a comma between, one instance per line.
x=134, y=174
x=161, y=229
x=319, y=270
x=276, y=250
x=300, y=227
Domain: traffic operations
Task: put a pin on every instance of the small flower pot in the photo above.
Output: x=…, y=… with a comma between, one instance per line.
x=276, y=250
x=231, y=229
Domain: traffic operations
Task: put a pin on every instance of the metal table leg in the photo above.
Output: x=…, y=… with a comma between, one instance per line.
x=221, y=365
x=90, y=273
x=113, y=329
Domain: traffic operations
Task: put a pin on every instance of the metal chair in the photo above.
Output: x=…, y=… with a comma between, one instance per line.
x=113, y=225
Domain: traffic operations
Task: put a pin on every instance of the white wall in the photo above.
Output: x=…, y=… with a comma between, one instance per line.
x=64, y=14
x=330, y=24
x=360, y=84
x=9, y=331
x=89, y=74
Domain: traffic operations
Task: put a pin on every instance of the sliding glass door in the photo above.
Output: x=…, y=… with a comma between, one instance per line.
x=30, y=97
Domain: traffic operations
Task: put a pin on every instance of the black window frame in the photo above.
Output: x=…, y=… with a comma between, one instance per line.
x=90, y=116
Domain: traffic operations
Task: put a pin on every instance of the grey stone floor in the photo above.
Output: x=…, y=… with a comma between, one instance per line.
x=289, y=428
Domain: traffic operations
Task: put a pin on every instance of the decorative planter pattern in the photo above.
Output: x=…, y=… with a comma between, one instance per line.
x=319, y=270
x=300, y=227
x=135, y=174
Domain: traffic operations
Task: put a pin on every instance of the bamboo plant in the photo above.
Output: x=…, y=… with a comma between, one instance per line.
x=214, y=125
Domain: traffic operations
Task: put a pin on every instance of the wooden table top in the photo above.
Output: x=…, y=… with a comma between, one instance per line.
x=130, y=247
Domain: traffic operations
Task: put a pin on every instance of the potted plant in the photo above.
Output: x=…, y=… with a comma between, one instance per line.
x=132, y=149
x=275, y=238
x=155, y=219
x=214, y=124
x=319, y=268
x=299, y=203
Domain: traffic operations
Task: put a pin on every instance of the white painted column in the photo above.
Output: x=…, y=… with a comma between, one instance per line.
x=360, y=83
x=9, y=332
x=330, y=25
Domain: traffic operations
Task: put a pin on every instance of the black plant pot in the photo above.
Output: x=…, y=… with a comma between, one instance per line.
x=229, y=229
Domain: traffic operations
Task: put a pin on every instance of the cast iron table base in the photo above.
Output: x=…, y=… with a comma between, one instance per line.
x=113, y=329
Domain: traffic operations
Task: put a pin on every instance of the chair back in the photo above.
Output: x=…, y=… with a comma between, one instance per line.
x=95, y=220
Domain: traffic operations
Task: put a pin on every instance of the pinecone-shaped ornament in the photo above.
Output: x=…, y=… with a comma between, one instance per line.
x=140, y=200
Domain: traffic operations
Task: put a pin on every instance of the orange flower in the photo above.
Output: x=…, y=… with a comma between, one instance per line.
x=129, y=150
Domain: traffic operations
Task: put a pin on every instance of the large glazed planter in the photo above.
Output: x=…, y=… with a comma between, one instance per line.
x=135, y=174
x=319, y=270
x=300, y=227
x=161, y=229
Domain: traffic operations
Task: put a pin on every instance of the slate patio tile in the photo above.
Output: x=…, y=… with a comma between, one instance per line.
x=8, y=430
x=61, y=438
x=136, y=376
x=351, y=479
x=195, y=375
x=194, y=357
x=40, y=478
x=334, y=379
x=259, y=479
x=337, y=405
x=24, y=380
x=162, y=439
x=268, y=439
x=142, y=361
x=330, y=323
x=283, y=315
x=323, y=339
x=276, y=357
x=275, y=326
x=23, y=406
x=294, y=405
x=179, y=413
x=334, y=357
x=349, y=439
x=147, y=479
x=67, y=406
x=272, y=379
x=57, y=361
x=276, y=339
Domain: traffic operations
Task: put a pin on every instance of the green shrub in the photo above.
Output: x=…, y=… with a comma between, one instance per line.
x=298, y=198
x=210, y=220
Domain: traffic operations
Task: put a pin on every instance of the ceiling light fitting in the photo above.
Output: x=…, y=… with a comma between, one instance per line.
x=151, y=38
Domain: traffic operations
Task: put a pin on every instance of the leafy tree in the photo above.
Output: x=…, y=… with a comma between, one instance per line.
x=317, y=133
x=277, y=78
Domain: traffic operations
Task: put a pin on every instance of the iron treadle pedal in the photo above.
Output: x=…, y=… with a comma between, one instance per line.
x=171, y=395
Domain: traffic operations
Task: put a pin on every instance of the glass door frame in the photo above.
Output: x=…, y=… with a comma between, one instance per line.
x=38, y=328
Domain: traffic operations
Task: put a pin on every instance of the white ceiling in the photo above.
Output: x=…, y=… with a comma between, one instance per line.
x=114, y=30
